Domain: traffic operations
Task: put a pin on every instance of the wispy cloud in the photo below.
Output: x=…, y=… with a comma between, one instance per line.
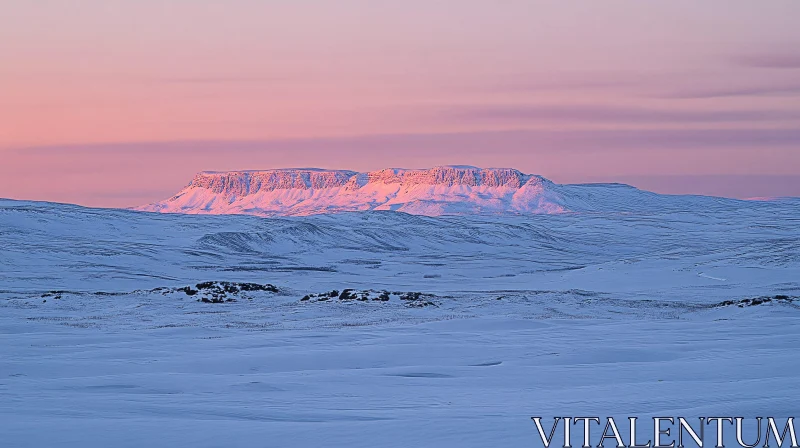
x=612, y=114
x=769, y=60
x=556, y=81
x=766, y=89
x=214, y=79
x=412, y=144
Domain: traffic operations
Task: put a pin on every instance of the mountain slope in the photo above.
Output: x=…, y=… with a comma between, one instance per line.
x=442, y=190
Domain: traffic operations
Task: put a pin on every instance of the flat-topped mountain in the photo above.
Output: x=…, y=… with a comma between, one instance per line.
x=442, y=190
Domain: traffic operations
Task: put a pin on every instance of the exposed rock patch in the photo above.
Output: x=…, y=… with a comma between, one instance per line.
x=757, y=301
x=410, y=299
x=223, y=292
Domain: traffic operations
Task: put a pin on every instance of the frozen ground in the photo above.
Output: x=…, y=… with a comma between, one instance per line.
x=575, y=314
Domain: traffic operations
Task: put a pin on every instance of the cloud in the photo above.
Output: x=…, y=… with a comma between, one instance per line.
x=215, y=79
x=767, y=89
x=416, y=144
x=610, y=114
x=769, y=60
x=556, y=81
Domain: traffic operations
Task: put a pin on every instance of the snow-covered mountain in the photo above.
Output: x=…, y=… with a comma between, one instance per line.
x=437, y=191
x=443, y=190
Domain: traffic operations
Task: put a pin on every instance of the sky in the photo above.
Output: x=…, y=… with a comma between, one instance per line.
x=118, y=103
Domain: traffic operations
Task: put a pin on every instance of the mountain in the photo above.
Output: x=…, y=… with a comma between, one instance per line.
x=443, y=190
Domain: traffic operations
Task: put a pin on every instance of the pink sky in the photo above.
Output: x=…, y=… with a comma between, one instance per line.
x=118, y=103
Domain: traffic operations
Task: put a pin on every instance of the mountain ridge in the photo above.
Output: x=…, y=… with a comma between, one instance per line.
x=441, y=190
x=449, y=189
x=309, y=178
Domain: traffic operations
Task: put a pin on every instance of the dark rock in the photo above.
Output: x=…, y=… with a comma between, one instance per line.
x=755, y=301
x=54, y=294
x=421, y=304
x=410, y=296
x=256, y=287
x=347, y=295
x=220, y=289
x=188, y=290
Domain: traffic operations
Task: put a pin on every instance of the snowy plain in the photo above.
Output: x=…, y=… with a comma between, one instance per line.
x=633, y=312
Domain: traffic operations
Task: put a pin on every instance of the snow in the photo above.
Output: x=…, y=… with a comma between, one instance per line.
x=630, y=307
x=444, y=190
x=436, y=191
